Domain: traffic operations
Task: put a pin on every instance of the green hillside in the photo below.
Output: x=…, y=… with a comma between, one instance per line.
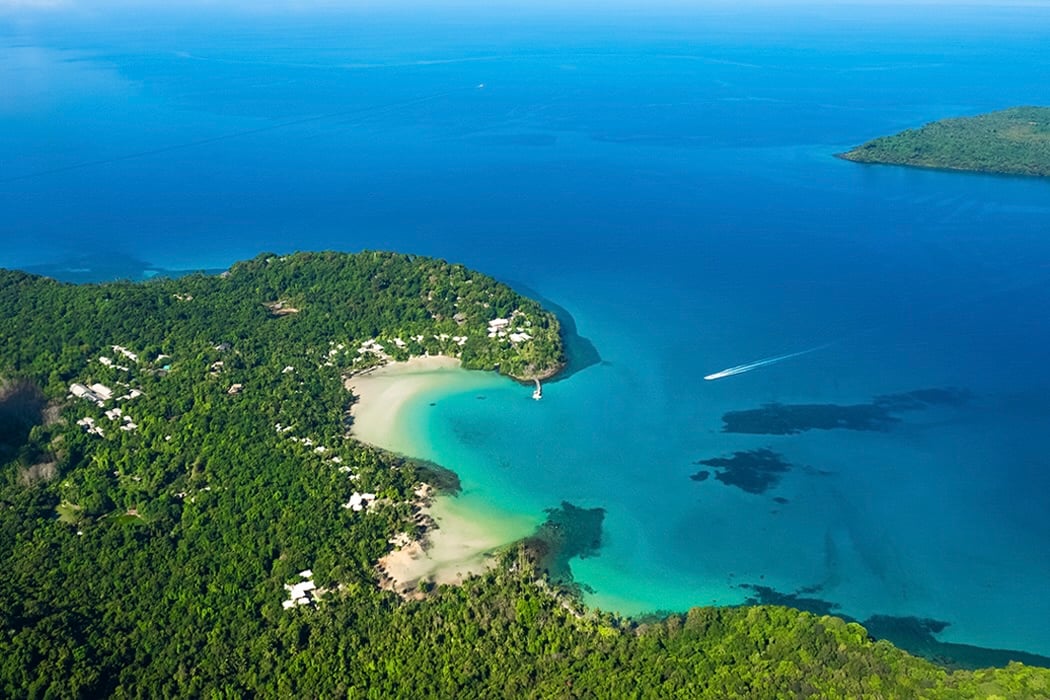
x=1010, y=142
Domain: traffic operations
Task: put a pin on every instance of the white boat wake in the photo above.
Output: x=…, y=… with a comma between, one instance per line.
x=740, y=369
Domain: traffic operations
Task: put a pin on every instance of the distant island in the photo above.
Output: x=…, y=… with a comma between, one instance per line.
x=1012, y=141
x=184, y=513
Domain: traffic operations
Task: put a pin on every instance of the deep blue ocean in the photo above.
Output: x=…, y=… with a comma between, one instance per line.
x=668, y=178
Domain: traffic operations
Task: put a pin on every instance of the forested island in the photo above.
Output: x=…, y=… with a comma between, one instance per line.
x=1012, y=141
x=179, y=511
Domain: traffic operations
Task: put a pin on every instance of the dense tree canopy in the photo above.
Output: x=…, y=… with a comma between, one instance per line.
x=149, y=552
x=1011, y=142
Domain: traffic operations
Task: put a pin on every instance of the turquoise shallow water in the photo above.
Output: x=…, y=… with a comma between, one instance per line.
x=906, y=522
x=667, y=178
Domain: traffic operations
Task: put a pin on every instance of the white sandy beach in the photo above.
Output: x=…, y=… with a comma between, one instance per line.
x=383, y=393
x=467, y=531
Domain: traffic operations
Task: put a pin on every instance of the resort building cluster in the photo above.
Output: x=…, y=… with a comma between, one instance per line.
x=100, y=395
x=515, y=329
x=505, y=328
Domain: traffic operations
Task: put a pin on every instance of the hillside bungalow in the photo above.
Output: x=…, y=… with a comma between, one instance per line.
x=102, y=391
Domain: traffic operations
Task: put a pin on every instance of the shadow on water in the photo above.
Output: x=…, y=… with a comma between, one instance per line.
x=754, y=471
x=878, y=415
x=580, y=351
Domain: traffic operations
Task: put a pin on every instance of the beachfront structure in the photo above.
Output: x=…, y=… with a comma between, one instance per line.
x=372, y=346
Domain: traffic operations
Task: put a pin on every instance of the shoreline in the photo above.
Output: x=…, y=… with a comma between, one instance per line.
x=461, y=533
x=845, y=156
x=383, y=393
x=456, y=544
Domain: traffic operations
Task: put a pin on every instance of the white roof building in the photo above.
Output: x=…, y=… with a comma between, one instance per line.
x=359, y=501
x=126, y=353
x=300, y=593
